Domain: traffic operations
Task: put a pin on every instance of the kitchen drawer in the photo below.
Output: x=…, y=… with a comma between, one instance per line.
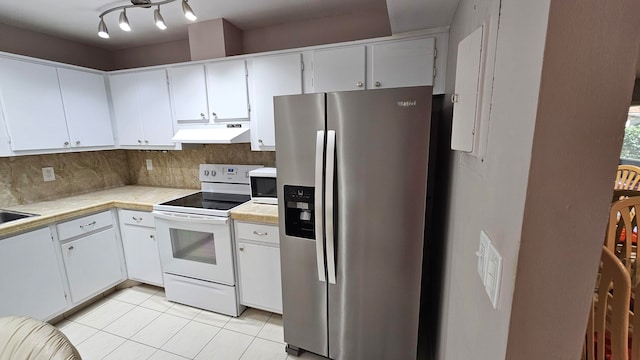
x=202, y=294
x=84, y=225
x=140, y=218
x=258, y=232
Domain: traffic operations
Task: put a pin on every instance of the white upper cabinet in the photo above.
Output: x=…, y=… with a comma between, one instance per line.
x=86, y=106
x=227, y=90
x=339, y=69
x=188, y=93
x=32, y=105
x=402, y=63
x=271, y=76
x=141, y=108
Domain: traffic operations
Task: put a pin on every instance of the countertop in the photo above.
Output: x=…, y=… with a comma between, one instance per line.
x=131, y=197
x=262, y=213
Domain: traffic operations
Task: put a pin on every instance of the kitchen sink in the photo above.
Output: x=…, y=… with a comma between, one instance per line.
x=6, y=216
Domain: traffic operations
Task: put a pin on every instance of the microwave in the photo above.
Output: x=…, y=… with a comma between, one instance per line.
x=263, y=186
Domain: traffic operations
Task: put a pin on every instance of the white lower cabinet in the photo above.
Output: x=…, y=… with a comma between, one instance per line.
x=140, y=246
x=92, y=255
x=258, y=252
x=32, y=283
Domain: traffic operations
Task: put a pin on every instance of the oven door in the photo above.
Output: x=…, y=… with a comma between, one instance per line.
x=196, y=246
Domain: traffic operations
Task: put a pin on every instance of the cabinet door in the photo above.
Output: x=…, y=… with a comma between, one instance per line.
x=271, y=76
x=30, y=96
x=141, y=254
x=339, y=69
x=31, y=283
x=86, y=108
x=402, y=63
x=188, y=93
x=155, y=109
x=227, y=89
x=260, y=281
x=126, y=108
x=92, y=264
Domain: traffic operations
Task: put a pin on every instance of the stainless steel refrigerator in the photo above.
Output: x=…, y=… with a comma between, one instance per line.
x=352, y=182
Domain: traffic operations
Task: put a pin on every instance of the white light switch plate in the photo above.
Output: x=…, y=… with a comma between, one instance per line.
x=48, y=174
x=494, y=275
x=482, y=254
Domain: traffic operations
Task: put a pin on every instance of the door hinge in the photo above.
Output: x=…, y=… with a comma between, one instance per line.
x=434, y=71
x=249, y=107
x=302, y=65
x=435, y=52
x=65, y=296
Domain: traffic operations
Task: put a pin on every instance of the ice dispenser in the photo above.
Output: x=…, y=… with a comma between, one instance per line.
x=299, y=211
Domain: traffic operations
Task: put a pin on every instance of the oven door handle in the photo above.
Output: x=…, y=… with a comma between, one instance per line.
x=202, y=219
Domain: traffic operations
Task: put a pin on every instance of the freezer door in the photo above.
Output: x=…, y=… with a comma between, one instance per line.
x=300, y=122
x=381, y=153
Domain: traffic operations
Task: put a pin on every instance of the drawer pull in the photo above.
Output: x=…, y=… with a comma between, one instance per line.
x=70, y=247
x=136, y=219
x=152, y=236
x=88, y=225
x=241, y=248
x=259, y=233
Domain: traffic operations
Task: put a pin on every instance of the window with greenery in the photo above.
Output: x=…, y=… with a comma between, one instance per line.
x=631, y=143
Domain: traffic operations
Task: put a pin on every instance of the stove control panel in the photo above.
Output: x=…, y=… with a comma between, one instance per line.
x=226, y=173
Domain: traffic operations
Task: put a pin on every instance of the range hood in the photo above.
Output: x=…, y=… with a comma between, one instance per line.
x=213, y=135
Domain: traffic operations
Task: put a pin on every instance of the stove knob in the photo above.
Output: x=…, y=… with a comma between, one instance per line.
x=206, y=173
x=213, y=173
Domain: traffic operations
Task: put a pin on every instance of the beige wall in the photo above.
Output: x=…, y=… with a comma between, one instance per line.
x=157, y=54
x=318, y=31
x=586, y=85
x=29, y=43
x=553, y=135
x=76, y=173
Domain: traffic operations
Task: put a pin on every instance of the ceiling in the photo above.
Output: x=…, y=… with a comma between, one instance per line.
x=77, y=20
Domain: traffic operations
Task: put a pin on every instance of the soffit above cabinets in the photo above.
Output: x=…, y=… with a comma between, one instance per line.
x=411, y=15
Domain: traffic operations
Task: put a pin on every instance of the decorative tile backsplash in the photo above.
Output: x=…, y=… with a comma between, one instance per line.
x=180, y=168
x=21, y=180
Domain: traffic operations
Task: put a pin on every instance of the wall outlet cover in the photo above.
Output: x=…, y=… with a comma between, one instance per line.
x=48, y=174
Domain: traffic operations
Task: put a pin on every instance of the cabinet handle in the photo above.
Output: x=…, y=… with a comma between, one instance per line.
x=202, y=115
x=214, y=115
x=66, y=143
x=139, y=141
x=70, y=247
x=359, y=84
x=136, y=219
x=260, y=142
x=259, y=233
x=146, y=142
x=152, y=236
x=87, y=225
x=378, y=84
x=454, y=98
x=77, y=142
x=241, y=248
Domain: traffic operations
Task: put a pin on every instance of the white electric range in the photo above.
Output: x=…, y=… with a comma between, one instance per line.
x=195, y=240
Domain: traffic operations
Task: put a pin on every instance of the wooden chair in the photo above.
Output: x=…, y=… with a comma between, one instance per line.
x=627, y=178
x=609, y=316
x=622, y=232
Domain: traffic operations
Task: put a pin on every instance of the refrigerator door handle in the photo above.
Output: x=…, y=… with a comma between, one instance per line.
x=318, y=205
x=330, y=171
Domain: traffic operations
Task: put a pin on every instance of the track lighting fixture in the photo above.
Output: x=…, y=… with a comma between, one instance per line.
x=157, y=17
x=124, y=21
x=102, y=29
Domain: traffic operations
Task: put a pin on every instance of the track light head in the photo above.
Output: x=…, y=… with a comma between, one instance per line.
x=102, y=29
x=124, y=21
x=188, y=12
x=157, y=17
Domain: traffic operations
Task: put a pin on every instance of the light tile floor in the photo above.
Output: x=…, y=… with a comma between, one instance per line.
x=139, y=323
